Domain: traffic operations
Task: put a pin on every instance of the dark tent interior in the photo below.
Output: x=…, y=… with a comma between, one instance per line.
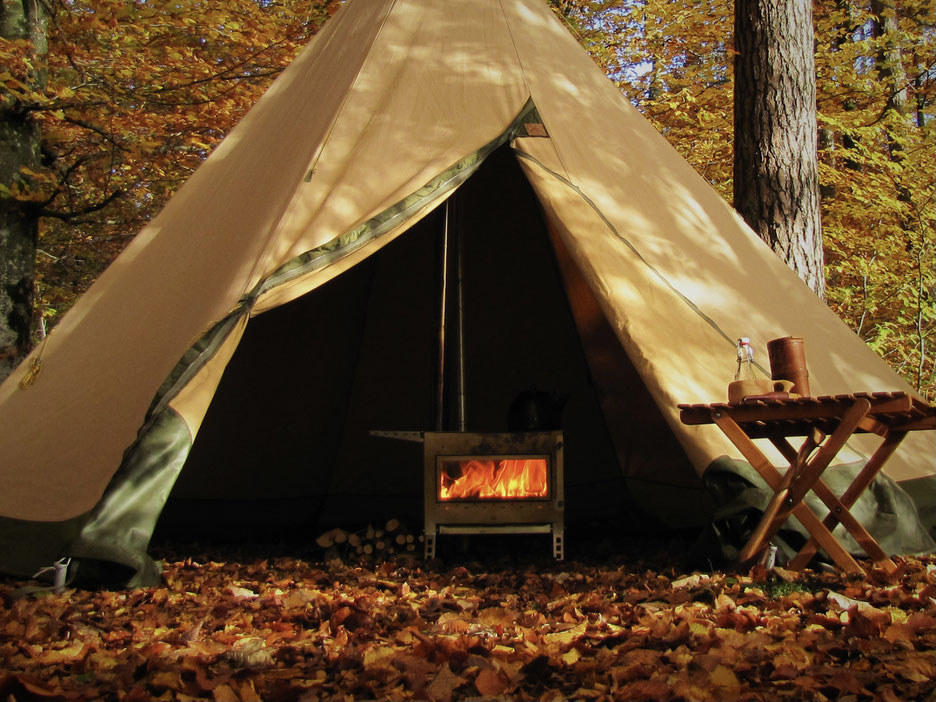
x=286, y=443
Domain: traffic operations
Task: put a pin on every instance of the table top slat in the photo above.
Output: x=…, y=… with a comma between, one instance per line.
x=775, y=417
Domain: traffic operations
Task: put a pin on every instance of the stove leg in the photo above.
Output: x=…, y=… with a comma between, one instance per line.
x=558, y=534
x=430, y=543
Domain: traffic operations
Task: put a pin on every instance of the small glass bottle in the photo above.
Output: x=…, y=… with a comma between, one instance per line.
x=745, y=360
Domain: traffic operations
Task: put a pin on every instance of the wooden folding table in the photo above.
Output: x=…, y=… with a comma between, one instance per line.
x=827, y=423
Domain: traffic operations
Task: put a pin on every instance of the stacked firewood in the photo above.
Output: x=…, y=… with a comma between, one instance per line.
x=391, y=540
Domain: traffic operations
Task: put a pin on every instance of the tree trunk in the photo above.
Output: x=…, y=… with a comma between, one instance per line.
x=890, y=64
x=19, y=226
x=776, y=179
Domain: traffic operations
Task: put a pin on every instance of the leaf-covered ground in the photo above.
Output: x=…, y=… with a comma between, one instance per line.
x=284, y=628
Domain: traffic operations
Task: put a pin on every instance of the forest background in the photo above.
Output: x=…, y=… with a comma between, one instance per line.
x=133, y=95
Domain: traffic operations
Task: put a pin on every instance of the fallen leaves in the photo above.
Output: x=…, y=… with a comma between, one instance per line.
x=286, y=629
x=444, y=684
x=490, y=683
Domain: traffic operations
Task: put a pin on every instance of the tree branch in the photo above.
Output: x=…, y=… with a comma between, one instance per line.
x=69, y=216
x=97, y=130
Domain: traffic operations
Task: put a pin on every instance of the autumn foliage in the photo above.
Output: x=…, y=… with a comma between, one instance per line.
x=289, y=629
x=137, y=95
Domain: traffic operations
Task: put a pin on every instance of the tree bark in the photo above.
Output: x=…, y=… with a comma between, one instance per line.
x=19, y=148
x=776, y=178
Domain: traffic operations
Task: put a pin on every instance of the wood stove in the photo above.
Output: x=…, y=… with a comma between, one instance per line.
x=493, y=483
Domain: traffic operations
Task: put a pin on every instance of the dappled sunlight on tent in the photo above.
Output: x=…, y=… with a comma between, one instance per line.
x=564, y=85
x=534, y=21
x=717, y=301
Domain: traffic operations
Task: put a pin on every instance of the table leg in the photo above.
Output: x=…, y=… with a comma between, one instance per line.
x=769, y=524
x=850, y=496
x=805, y=476
x=804, y=480
x=781, y=494
x=838, y=510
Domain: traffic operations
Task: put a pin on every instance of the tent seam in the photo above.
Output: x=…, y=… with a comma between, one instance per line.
x=523, y=71
x=344, y=100
x=331, y=127
x=695, y=308
x=516, y=49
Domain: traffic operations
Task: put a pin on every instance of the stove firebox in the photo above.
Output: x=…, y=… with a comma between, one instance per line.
x=494, y=483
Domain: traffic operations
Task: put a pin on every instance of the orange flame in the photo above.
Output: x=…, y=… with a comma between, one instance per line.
x=506, y=479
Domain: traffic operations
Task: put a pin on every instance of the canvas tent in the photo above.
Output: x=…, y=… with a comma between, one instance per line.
x=283, y=303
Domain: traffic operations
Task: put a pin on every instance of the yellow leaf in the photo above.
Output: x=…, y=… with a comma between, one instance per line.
x=378, y=657
x=698, y=628
x=567, y=636
x=722, y=676
x=68, y=654
x=494, y=616
x=490, y=683
x=224, y=693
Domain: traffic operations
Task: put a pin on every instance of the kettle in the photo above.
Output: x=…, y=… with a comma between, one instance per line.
x=536, y=410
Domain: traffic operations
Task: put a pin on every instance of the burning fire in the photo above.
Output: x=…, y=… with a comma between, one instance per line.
x=507, y=479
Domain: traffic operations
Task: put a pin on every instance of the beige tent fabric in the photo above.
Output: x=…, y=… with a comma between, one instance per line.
x=387, y=96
